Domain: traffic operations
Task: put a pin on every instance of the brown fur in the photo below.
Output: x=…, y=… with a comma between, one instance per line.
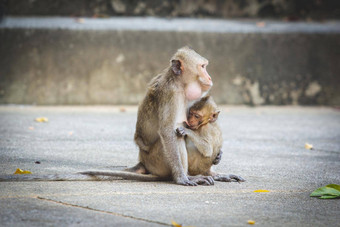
x=163, y=109
x=204, y=143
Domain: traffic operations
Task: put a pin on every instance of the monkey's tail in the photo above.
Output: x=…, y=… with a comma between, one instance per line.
x=50, y=177
x=125, y=175
x=83, y=176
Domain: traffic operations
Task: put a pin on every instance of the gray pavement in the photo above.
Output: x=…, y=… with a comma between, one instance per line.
x=265, y=145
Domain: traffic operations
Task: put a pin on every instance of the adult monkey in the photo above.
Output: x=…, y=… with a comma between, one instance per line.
x=163, y=109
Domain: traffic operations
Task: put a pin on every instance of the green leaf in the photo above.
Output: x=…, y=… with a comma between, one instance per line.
x=330, y=191
x=328, y=197
x=325, y=191
x=335, y=186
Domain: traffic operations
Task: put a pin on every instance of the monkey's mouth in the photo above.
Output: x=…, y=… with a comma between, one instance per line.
x=206, y=86
x=187, y=125
x=192, y=127
x=204, y=83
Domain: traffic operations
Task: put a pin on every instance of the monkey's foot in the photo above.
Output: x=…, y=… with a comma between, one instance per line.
x=202, y=180
x=185, y=182
x=218, y=158
x=180, y=132
x=228, y=178
x=139, y=168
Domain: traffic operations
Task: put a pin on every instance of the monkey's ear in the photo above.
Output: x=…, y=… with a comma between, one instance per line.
x=176, y=66
x=214, y=116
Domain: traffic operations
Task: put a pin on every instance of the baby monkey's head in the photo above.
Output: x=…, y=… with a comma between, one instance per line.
x=202, y=112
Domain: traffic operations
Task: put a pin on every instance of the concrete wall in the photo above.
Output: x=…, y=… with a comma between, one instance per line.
x=84, y=66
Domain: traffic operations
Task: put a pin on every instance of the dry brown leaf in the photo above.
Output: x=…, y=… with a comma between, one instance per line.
x=41, y=119
x=80, y=20
x=261, y=24
x=20, y=171
x=175, y=224
x=261, y=190
x=308, y=146
x=251, y=222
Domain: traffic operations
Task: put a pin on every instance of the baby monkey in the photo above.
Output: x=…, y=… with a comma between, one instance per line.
x=203, y=138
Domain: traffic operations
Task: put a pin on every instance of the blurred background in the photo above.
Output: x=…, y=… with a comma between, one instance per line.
x=103, y=52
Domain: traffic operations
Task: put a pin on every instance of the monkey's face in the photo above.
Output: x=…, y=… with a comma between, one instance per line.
x=199, y=67
x=203, y=76
x=194, y=119
x=192, y=67
x=198, y=118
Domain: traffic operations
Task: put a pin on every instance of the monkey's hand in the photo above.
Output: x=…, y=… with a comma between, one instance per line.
x=228, y=178
x=218, y=158
x=180, y=132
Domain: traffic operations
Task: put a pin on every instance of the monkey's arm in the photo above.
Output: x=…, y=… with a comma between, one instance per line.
x=201, y=142
x=173, y=148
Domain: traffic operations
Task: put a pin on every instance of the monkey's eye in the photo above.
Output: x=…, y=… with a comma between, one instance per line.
x=197, y=116
x=203, y=66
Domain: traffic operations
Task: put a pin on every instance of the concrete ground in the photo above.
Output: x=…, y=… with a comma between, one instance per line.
x=265, y=145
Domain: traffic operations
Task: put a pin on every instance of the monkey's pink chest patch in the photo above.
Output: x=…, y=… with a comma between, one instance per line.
x=193, y=91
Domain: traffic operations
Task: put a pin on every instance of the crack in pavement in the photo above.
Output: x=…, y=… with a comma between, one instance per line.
x=102, y=211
